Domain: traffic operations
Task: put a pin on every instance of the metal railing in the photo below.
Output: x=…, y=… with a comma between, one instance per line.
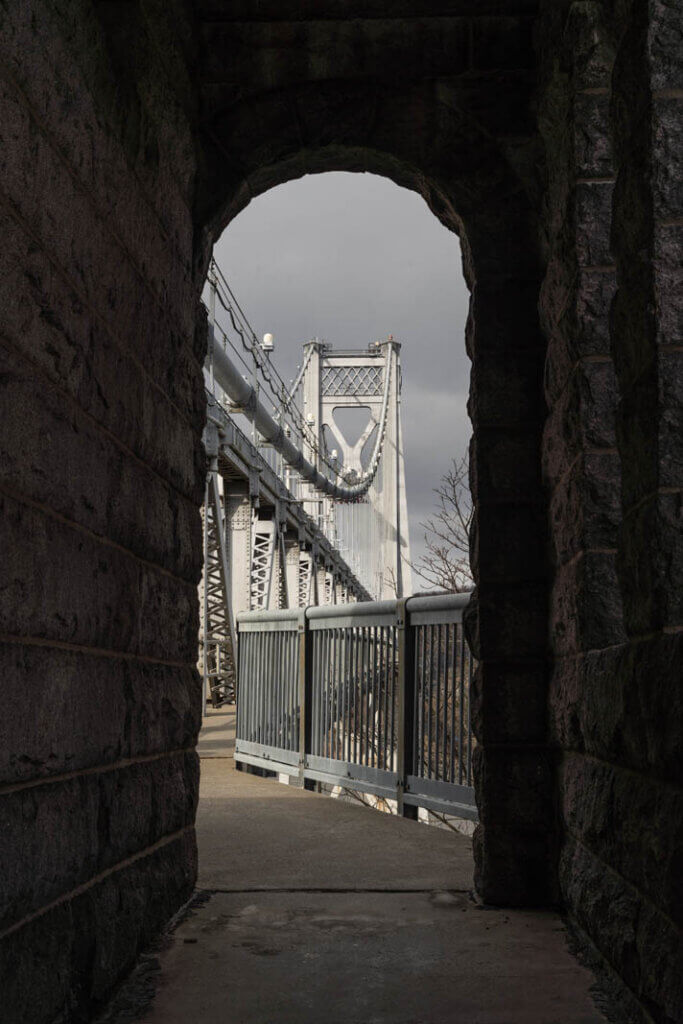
x=373, y=697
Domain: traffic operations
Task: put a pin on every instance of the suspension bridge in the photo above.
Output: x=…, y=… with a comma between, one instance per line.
x=344, y=679
x=322, y=670
x=294, y=513
x=344, y=684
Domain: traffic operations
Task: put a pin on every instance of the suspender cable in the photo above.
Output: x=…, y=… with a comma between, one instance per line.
x=245, y=396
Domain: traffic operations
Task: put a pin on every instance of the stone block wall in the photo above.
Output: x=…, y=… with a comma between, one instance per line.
x=128, y=138
x=610, y=118
x=101, y=474
x=514, y=843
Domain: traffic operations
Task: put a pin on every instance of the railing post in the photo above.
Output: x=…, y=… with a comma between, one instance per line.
x=305, y=680
x=405, y=738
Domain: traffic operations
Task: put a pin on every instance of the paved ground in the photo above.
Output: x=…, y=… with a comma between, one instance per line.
x=322, y=912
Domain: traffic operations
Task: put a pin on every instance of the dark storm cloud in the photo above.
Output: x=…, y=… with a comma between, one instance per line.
x=351, y=258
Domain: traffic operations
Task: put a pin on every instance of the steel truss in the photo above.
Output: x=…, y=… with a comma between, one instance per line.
x=217, y=643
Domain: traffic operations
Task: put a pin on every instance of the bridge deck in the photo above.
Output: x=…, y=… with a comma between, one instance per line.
x=322, y=911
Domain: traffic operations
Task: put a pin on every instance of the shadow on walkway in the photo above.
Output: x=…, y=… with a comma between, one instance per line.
x=321, y=912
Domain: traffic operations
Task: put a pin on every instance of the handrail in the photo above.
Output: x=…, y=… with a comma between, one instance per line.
x=438, y=602
x=373, y=697
x=357, y=610
x=418, y=604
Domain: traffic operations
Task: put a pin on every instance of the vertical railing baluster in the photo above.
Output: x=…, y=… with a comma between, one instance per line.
x=239, y=710
x=353, y=711
x=266, y=686
x=351, y=703
x=356, y=696
x=438, y=700
x=448, y=632
x=336, y=709
x=272, y=690
x=417, y=708
x=255, y=697
x=405, y=685
x=383, y=695
x=374, y=762
x=252, y=688
x=454, y=700
x=461, y=709
x=276, y=671
x=469, y=718
x=359, y=697
x=422, y=692
x=344, y=642
x=295, y=692
x=341, y=633
x=265, y=714
x=320, y=682
x=332, y=670
x=392, y=697
x=305, y=669
x=364, y=698
x=329, y=698
x=430, y=646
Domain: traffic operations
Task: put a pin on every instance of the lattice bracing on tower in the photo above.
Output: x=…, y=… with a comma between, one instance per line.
x=217, y=636
x=262, y=564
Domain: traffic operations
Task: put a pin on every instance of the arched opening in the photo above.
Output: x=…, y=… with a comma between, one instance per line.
x=542, y=133
x=479, y=188
x=349, y=258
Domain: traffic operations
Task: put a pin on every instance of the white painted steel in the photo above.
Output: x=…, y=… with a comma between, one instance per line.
x=227, y=374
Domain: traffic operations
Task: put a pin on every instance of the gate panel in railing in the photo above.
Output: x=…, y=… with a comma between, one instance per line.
x=372, y=696
x=354, y=696
x=440, y=770
x=268, y=709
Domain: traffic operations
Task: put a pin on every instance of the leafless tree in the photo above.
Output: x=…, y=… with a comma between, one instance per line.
x=390, y=581
x=446, y=563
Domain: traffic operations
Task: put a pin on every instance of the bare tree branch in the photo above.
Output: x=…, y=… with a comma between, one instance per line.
x=446, y=563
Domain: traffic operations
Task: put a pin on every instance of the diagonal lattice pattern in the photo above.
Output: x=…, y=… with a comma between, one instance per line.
x=215, y=638
x=305, y=579
x=352, y=380
x=262, y=564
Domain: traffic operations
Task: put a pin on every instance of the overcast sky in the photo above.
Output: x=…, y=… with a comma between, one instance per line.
x=351, y=258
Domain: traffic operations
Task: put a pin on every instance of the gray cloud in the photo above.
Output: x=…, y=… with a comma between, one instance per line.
x=351, y=258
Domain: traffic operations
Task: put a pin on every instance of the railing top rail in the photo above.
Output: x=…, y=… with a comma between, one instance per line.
x=262, y=621
x=421, y=610
x=436, y=609
x=438, y=602
x=357, y=610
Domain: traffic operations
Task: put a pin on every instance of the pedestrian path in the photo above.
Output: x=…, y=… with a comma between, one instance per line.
x=323, y=912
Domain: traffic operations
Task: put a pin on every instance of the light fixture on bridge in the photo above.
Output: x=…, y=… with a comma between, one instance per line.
x=268, y=343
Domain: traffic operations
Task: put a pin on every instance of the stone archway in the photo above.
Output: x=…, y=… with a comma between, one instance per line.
x=134, y=131
x=428, y=137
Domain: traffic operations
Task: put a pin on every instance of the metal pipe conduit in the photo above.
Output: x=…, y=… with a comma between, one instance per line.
x=244, y=395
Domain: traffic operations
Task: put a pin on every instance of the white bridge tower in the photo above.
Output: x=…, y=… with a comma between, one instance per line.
x=372, y=531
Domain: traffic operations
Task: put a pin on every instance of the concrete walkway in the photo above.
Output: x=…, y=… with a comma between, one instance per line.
x=323, y=912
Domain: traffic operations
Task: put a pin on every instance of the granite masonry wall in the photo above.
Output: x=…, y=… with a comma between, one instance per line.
x=547, y=135
x=441, y=101
x=101, y=472
x=610, y=117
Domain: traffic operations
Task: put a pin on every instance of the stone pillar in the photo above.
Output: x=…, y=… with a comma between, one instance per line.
x=515, y=841
x=102, y=476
